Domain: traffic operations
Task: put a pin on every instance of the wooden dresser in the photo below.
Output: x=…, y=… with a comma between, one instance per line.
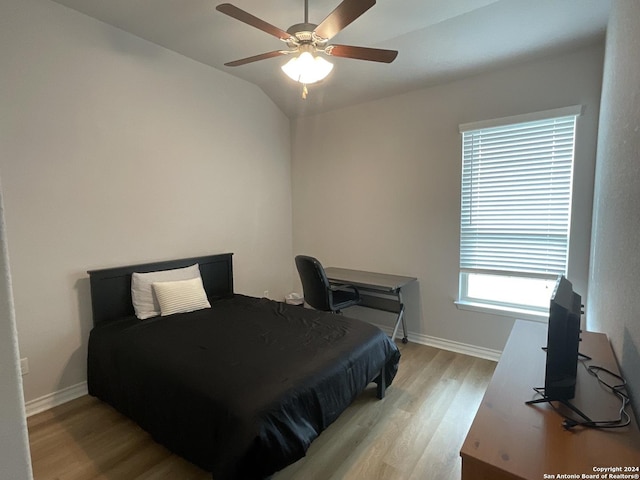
x=511, y=440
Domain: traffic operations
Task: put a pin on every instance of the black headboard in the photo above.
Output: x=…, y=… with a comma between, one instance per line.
x=111, y=287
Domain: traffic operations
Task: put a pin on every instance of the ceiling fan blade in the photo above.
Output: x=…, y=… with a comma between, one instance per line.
x=343, y=15
x=255, y=58
x=249, y=19
x=362, y=53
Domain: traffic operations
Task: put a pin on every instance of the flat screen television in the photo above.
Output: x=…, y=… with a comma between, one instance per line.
x=563, y=338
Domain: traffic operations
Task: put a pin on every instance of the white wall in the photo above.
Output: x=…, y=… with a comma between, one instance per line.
x=614, y=283
x=116, y=151
x=377, y=186
x=14, y=445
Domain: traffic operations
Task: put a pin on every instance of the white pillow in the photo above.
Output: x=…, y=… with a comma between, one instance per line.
x=144, y=302
x=181, y=296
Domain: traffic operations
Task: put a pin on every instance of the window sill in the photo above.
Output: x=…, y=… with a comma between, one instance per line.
x=511, y=312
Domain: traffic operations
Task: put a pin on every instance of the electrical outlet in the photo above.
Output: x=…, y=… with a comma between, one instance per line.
x=24, y=366
x=265, y=294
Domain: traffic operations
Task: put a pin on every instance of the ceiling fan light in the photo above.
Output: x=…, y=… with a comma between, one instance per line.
x=307, y=69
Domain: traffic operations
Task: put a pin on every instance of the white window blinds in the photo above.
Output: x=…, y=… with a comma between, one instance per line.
x=516, y=197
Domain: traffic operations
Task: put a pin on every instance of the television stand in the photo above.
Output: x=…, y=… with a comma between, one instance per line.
x=580, y=354
x=566, y=403
x=510, y=440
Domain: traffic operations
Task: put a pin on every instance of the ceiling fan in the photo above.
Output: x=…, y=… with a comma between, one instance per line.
x=306, y=40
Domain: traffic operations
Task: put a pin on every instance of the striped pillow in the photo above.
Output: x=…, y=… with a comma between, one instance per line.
x=181, y=296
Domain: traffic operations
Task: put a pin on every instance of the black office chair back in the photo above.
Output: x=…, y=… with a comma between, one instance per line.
x=315, y=285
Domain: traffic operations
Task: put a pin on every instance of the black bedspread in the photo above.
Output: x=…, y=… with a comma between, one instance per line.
x=240, y=389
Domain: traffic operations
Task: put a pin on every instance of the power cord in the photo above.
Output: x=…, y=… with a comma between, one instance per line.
x=623, y=418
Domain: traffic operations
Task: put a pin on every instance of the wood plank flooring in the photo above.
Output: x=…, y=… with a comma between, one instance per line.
x=415, y=433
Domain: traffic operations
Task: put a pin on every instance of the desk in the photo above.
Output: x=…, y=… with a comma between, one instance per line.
x=509, y=440
x=375, y=288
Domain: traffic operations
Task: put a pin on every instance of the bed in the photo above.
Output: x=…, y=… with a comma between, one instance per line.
x=240, y=389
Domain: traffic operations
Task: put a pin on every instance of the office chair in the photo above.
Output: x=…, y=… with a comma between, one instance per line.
x=318, y=292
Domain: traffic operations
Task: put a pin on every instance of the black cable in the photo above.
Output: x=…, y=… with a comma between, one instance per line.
x=623, y=417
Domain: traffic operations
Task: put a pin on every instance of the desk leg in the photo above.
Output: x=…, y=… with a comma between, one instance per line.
x=400, y=319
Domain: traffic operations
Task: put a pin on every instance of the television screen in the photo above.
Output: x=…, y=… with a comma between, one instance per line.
x=563, y=338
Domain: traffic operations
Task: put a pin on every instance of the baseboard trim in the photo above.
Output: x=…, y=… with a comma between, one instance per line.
x=464, y=348
x=444, y=344
x=54, y=399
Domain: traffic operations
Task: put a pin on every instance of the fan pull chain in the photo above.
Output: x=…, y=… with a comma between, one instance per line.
x=305, y=92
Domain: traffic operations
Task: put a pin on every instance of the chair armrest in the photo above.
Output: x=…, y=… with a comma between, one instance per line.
x=347, y=287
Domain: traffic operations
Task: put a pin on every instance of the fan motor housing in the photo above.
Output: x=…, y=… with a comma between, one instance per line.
x=303, y=32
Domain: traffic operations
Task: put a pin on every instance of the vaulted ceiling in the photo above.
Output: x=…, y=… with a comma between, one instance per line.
x=437, y=40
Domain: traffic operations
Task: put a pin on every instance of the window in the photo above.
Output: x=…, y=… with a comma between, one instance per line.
x=515, y=211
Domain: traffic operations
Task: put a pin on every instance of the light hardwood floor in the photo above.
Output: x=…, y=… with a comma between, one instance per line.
x=415, y=433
